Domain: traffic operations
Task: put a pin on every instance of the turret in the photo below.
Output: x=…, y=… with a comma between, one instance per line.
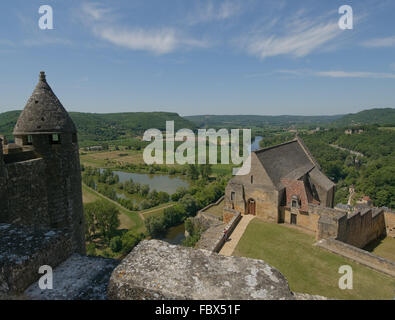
x=45, y=125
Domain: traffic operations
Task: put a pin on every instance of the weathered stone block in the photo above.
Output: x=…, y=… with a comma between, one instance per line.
x=23, y=251
x=78, y=278
x=158, y=270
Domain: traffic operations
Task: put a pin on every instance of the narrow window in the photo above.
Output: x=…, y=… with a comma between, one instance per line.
x=54, y=138
x=29, y=140
x=252, y=179
x=295, y=202
x=232, y=196
x=74, y=138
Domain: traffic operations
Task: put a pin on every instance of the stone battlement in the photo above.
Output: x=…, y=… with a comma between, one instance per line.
x=157, y=270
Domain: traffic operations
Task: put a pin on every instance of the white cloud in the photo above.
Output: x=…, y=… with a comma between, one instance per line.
x=161, y=40
x=356, y=74
x=212, y=11
x=338, y=74
x=298, y=37
x=380, y=42
x=158, y=41
x=96, y=12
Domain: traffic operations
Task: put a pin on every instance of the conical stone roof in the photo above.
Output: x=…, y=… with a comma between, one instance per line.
x=44, y=113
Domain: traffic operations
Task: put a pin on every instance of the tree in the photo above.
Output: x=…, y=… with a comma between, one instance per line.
x=116, y=244
x=205, y=171
x=155, y=226
x=129, y=241
x=102, y=217
x=193, y=172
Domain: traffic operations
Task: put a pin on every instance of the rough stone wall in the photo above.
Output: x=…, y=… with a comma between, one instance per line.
x=3, y=187
x=389, y=217
x=25, y=194
x=157, y=270
x=357, y=229
x=307, y=220
x=238, y=202
x=361, y=256
x=260, y=189
x=63, y=186
x=24, y=250
x=213, y=239
x=364, y=227
x=45, y=192
x=78, y=278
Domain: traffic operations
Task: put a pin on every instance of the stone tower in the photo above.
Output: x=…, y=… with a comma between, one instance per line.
x=45, y=126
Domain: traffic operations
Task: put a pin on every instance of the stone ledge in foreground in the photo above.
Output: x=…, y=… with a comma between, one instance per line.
x=157, y=270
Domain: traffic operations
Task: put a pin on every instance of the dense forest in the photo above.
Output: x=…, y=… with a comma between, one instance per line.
x=372, y=173
x=108, y=126
x=374, y=116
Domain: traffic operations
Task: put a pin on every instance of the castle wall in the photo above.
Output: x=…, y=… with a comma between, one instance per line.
x=307, y=220
x=25, y=200
x=63, y=186
x=357, y=229
x=331, y=222
x=361, y=256
x=389, y=217
x=24, y=250
x=364, y=227
x=256, y=186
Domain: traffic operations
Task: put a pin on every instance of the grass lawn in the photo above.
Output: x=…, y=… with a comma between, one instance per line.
x=384, y=248
x=100, y=159
x=129, y=220
x=307, y=268
x=216, y=210
x=158, y=210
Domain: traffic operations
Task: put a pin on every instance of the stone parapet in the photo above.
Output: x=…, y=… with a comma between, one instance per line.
x=157, y=270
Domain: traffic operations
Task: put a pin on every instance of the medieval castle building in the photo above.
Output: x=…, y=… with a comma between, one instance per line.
x=285, y=185
x=40, y=177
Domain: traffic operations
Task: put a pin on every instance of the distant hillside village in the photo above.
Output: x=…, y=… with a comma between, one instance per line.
x=42, y=222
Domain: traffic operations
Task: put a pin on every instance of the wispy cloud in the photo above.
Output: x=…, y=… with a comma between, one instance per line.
x=214, y=11
x=338, y=74
x=380, y=42
x=156, y=40
x=299, y=37
x=356, y=74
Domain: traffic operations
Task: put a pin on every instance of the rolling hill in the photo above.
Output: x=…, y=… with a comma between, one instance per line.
x=108, y=126
x=383, y=117
x=374, y=116
x=258, y=120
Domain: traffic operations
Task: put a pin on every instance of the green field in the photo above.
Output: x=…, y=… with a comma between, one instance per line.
x=129, y=220
x=307, y=268
x=383, y=247
x=216, y=210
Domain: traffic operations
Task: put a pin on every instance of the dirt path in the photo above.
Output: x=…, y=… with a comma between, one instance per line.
x=348, y=150
x=236, y=235
x=112, y=201
x=156, y=209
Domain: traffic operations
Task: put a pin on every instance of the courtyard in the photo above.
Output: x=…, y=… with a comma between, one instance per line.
x=310, y=269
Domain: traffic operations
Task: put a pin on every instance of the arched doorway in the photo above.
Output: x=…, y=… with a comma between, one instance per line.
x=251, y=207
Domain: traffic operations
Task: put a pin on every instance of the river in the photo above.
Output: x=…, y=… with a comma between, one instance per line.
x=157, y=182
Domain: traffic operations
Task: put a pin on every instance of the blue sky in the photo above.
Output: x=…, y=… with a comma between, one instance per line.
x=201, y=57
